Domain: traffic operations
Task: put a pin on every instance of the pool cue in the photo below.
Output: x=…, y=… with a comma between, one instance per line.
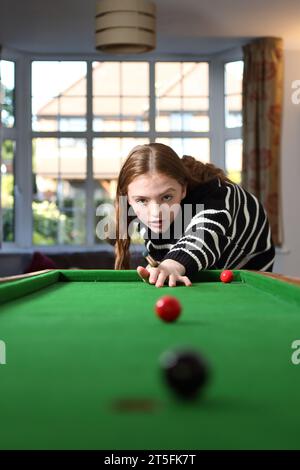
x=18, y=277
x=150, y=261
x=153, y=263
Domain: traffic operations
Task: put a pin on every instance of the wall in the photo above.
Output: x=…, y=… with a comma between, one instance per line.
x=288, y=262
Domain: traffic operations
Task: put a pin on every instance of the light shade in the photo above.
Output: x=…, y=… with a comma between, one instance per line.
x=125, y=26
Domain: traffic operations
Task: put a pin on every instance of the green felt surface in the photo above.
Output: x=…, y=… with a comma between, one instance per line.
x=78, y=342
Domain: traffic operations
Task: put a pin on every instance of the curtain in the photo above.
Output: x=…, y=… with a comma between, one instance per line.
x=262, y=117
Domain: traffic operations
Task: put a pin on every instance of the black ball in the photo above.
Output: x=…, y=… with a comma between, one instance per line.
x=186, y=372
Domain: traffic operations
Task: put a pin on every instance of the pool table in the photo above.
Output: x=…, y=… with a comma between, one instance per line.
x=80, y=362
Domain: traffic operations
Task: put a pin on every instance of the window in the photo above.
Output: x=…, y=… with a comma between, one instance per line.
x=67, y=140
x=182, y=106
x=182, y=100
x=7, y=74
x=234, y=153
x=59, y=96
x=7, y=190
x=7, y=147
x=121, y=96
x=198, y=148
x=233, y=120
x=85, y=116
x=59, y=203
x=233, y=94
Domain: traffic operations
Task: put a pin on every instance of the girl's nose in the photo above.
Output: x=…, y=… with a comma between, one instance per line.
x=155, y=211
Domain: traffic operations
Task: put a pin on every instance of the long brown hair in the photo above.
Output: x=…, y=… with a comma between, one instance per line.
x=162, y=159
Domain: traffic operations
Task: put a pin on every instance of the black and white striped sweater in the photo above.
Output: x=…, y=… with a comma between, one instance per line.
x=231, y=230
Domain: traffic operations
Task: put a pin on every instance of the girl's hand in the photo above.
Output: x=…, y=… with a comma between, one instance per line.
x=167, y=269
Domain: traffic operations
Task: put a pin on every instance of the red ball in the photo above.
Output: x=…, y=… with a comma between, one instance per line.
x=168, y=308
x=226, y=276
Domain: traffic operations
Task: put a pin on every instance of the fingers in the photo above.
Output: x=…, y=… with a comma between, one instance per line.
x=151, y=275
x=158, y=277
x=143, y=273
x=172, y=280
x=154, y=273
x=185, y=281
x=161, y=279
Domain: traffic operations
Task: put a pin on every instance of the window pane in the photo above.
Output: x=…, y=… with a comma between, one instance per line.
x=59, y=168
x=168, y=79
x=234, y=77
x=197, y=148
x=168, y=114
x=7, y=190
x=135, y=79
x=104, y=195
x=121, y=114
x=121, y=96
x=135, y=114
x=233, y=159
x=106, y=79
x=59, y=96
x=233, y=93
x=108, y=156
x=7, y=93
x=182, y=96
x=195, y=79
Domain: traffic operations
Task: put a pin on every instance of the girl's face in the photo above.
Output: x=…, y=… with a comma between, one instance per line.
x=155, y=199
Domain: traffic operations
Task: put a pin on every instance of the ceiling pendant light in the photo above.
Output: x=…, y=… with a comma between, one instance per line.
x=125, y=26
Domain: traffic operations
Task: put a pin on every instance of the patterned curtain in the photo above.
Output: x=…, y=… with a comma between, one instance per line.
x=262, y=116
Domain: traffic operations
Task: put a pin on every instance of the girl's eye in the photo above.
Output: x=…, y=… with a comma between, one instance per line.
x=167, y=197
x=141, y=201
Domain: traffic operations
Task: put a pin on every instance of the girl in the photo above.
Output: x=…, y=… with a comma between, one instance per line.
x=191, y=216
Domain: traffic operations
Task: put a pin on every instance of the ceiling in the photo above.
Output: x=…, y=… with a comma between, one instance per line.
x=189, y=26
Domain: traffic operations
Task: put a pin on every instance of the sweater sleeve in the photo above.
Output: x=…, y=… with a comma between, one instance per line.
x=204, y=240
